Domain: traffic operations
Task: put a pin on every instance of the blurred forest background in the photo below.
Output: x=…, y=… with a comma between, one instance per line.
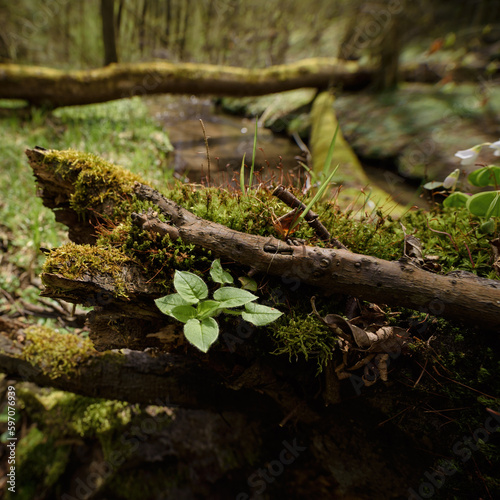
x=65, y=34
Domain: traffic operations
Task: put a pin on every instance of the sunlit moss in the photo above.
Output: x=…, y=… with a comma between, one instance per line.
x=84, y=416
x=56, y=354
x=82, y=261
x=95, y=181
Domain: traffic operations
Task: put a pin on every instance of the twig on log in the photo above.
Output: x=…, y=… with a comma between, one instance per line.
x=458, y=296
x=311, y=217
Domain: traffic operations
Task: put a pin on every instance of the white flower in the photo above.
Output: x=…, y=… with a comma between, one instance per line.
x=468, y=156
x=452, y=179
x=496, y=147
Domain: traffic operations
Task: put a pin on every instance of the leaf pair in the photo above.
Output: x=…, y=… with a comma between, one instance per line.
x=191, y=306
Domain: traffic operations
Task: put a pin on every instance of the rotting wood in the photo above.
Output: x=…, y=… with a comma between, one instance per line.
x=166, y=379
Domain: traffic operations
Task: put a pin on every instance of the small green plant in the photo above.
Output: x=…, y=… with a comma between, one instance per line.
x=191, y=305
x=252, y=167
x=486, y=204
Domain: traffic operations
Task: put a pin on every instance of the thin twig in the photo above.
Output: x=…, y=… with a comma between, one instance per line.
x=311, y=217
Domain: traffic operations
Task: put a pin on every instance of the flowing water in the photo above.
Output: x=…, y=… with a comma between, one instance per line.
x=231, y=137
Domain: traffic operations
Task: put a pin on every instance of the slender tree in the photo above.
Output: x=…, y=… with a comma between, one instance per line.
x=108, y=32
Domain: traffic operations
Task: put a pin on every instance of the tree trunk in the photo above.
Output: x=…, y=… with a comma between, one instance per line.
x=108, y=32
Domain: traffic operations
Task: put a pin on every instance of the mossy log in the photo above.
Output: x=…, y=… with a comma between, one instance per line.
x=52, y=359
x=53, y=88
x=324, y=441
x=460, y=296
x=356, y=449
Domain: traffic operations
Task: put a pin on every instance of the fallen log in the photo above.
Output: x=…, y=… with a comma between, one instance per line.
x=373, y=446
x=52, y=87
x=145, y=378
x=458, y=296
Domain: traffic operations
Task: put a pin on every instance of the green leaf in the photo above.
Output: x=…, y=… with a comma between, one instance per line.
x=432, y=185
x=485, y=176
x=190, y=287
x=457, y=199
x=242, y=174
x=167, y=303
x=260, y=315
x=488, y=227
x=248, y=283
x=183, y=313
x=202, y=334
x=207, y=308
x=229, y=296
x=218, y=274
x=485, y=204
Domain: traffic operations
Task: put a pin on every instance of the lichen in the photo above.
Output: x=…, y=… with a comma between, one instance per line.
x=56, y=354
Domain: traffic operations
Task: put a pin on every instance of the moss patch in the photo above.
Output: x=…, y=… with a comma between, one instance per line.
x=303, y=336
x=56, y=354
x=80, y=261
x=94, y=180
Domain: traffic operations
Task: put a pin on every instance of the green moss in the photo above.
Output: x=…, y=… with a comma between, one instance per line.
x=56, y=354
x=40, y=461
x=95, y=181
x=80, y=262
x=82, y=416
x=42, y=455
x=304, y=336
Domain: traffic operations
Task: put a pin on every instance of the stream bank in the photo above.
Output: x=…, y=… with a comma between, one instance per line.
x=402, y=139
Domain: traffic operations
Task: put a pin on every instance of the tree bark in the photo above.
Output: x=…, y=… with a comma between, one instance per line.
x=166, y=379
x=385, y=462
x=53, y=88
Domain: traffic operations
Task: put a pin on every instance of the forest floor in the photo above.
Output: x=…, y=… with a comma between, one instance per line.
x=105, y=129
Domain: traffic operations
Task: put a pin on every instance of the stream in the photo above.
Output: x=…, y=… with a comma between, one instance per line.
x=231, y=137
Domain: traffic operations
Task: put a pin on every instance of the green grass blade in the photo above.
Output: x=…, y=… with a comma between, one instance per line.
x=324, y=184
x=329, y=156
x=253, y=152
x=242, y=174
